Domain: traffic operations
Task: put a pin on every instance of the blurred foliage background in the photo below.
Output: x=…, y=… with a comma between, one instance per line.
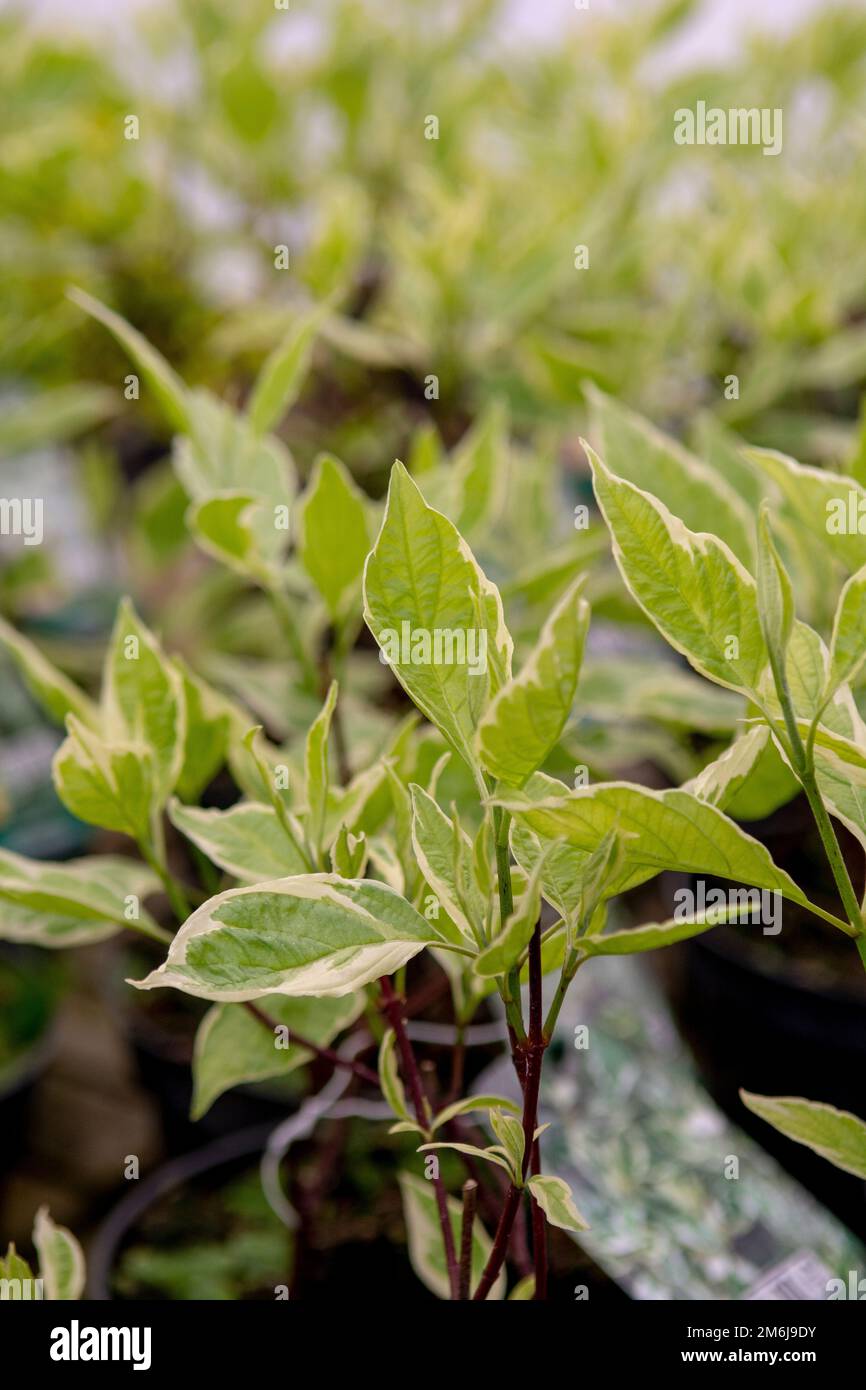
x=447, y=260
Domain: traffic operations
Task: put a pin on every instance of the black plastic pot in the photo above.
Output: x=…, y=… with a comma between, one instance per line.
x=768, y=1032
x=160, y=1028
x=223, y=1157
x=377, y=1263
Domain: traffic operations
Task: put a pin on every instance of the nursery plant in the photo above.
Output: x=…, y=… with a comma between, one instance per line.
x=325, y=895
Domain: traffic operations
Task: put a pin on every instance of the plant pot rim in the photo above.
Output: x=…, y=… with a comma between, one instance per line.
x=104, y=1247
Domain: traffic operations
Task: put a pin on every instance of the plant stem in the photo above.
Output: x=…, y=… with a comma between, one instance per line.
x=392, y=1006
x=155, y=933
x=569, y=969
x=528, y=1058
x=510, y=990
x=539, y=1235
x=154, y=855
x=326, y=1053
x=803, y=761
x=470, y=1196
x=834, y=856
x=286, y=616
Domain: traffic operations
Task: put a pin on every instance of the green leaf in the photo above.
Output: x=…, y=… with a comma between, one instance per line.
x=316, y=768
x=688, y=583
x=72, y=903
x=424, y=1235
x=509, y=1132
x=775, y=595
x=641, y=454
x=435, y=615
x=313, y=934
x=223, y=454
x=527, y=716
x=233, y=1048
x=389, y=1079
x=208, y=722
x=61, y=1262
x=478, y=467
x=435, y=838
x=554, y=1197
x=848, y=642
x=661, y=830
x=56, y=693
x=719, y=782
x=282, y=375
x=834, y=1134
x=237, y=528
x=349, y=854
x=333, y=534
x=247, y=840
x=14, y=1268
x=652, y=936
x=492, y=1155
x=562, y=865
x=110, y=785
x=820, y=500
x=469, y=1105
x=509, y=944
x=168, y=389
x=143, y=698
x=58, y=413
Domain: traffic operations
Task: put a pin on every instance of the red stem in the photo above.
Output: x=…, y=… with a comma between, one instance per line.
x=392, y=1007
x=528, y=1057
x=326, y=1053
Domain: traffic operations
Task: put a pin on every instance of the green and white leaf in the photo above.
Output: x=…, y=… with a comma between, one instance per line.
x=422, y=573
x=72, y=903
x=719, y=782
x=508, y=945
x=693, y=491
x=233, y=1048
x=167, y=387
x=836, y=1135
x=282, y=375
x=509, y=1131
x=389, y=1080
x=61, y=1262
x=143, y=698
x=689, y=583
x=527, y=716
x=316, y=768
x=313, y=934
x=237, y=528
x=775, y=594
x=554, y=1197
x=815, y=496
x=53, y=691
x=110, y=785
x=661, y=830
x=435, y=838
x=333, y=534
x=470, y=1105
x=848, y=642
x=247, y=840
